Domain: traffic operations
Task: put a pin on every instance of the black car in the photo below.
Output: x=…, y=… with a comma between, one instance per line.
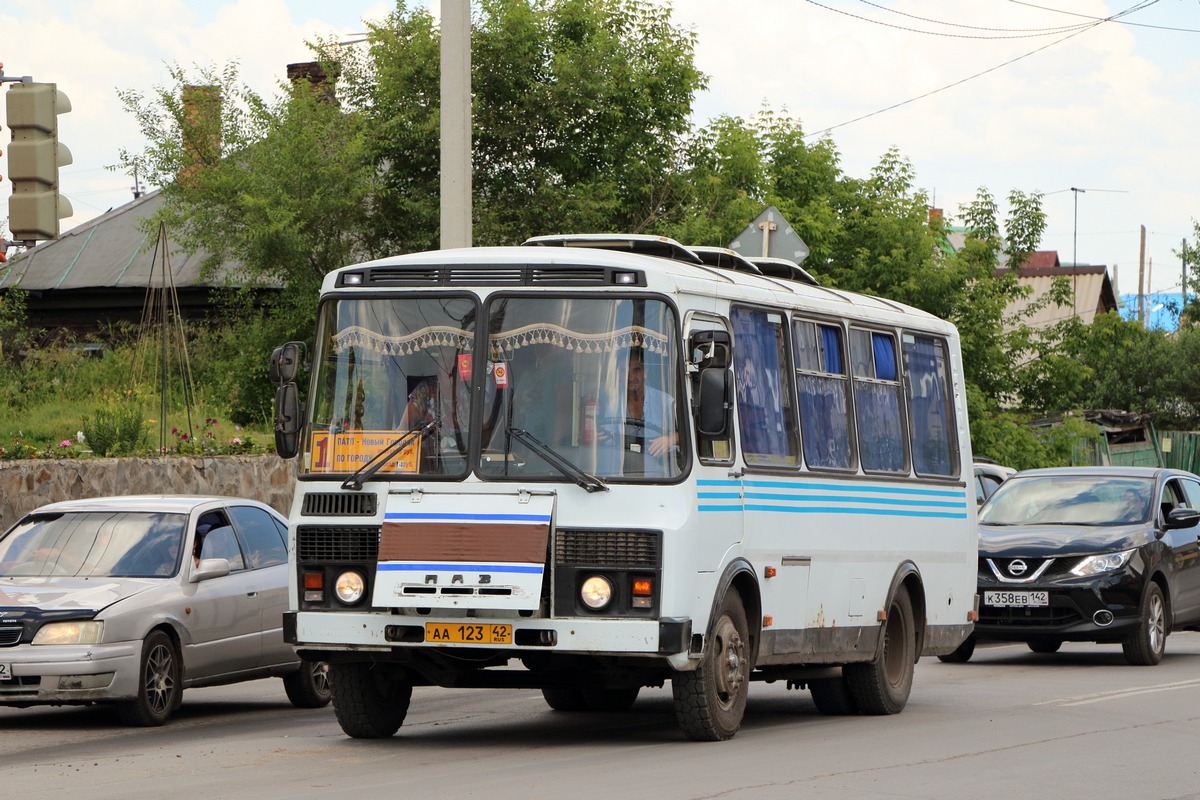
x=1089, y=554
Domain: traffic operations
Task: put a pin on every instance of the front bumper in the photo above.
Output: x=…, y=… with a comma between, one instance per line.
x=667, y=638
x=69, y=674
x=1072, y=613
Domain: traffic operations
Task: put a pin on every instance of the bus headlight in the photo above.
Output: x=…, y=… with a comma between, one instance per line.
x=596, y=592
x=349, y=587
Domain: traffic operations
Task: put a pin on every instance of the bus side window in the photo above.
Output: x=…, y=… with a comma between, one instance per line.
x=877, y=405
x=824, y=395
x=931, y=423
x=766, y=413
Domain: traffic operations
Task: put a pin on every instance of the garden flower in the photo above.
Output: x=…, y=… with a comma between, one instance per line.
x=65, y=443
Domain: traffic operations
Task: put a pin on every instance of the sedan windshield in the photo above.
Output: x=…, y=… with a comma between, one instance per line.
x=1069, y=500
x=94, y=544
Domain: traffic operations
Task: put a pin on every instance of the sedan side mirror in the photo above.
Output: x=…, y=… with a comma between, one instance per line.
x=210, y=568
x=1183, y=518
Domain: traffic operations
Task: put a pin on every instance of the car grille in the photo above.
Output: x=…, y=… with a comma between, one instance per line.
x=10, y=635
x=599, y=548
x=1057, y=567
x=316, y=543
x=1047, y=616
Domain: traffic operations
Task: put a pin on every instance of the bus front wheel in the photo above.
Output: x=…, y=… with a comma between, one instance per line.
x=369, y=700
x=711, y=700
x=882, y=686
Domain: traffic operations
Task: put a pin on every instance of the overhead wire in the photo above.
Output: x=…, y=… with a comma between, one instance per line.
x=1083, y=29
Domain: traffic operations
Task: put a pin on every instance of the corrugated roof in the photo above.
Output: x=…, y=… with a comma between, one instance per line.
x=110, y=251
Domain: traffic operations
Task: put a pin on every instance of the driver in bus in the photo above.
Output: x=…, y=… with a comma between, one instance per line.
x=647, y=427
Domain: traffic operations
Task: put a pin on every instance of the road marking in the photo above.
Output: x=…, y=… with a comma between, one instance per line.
x=1120, y=694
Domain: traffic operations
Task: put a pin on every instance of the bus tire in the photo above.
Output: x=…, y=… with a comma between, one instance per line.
x=832, y=697
x=369, y=700
x=561, y=699
x=711, y=700
x=882, y=686
x=611, y=700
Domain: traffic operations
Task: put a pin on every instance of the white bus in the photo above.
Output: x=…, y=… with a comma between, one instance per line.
x=601, y=464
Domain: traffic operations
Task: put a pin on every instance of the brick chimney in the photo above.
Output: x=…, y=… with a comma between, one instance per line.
x=314, y=73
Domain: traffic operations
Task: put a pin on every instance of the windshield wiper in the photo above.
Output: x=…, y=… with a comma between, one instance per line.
x=543, y=451
x=368, y=470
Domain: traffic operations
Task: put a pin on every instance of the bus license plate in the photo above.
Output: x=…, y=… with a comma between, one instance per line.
x=1016, y=599
x=5, y=672
x=468, y=633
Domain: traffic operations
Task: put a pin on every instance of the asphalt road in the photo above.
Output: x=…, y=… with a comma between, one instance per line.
x=1009, y=724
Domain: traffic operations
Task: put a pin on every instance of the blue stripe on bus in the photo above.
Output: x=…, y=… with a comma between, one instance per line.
x=877, y=500
x=886, y=512
x=833, y=487
x=406, y=515
x=528, y=570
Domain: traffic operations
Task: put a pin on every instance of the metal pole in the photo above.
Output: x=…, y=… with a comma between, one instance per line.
x=456, y=124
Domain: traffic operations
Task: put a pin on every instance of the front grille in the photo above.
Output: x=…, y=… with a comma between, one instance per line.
x=1044, y=617
x=600, y=548
x=337, y=544
x=339, y=504
x=1057, y=567
x=10, y=635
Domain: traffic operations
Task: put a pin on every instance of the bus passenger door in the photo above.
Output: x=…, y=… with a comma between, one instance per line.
x=718, y=526
x=776, y=538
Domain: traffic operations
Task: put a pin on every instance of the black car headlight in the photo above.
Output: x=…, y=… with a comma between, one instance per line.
x=1098, y=565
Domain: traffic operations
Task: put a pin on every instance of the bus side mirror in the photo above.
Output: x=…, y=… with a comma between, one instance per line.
x=285, y=362
x=287, y=420
x=712, y=413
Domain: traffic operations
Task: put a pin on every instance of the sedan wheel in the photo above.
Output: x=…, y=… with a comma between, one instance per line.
x=1147, y=645
x=159, y=684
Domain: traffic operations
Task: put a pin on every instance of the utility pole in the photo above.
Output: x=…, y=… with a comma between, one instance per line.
x=456, y=124
x=1141, y=279
x=1183, y=265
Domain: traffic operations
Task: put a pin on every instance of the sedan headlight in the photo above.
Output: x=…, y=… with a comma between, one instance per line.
x=1098, y=565
x=81, y=632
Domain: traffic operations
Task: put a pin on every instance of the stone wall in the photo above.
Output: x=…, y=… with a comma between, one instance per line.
x=25, y=485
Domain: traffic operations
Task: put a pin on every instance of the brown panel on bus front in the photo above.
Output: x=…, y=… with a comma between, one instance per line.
x=463, y=541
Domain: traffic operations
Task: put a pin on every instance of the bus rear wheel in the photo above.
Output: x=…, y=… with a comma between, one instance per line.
x=369, y=700
x=882, y=686
x=711, y=700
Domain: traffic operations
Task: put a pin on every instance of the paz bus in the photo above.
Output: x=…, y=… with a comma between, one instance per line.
x=593, y=464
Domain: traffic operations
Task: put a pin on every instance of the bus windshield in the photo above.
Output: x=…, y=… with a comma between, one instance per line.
x=591, y=381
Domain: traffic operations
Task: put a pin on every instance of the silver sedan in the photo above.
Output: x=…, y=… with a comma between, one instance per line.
x=130, y=600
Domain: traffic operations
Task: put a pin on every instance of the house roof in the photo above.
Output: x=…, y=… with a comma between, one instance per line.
x=111, y=251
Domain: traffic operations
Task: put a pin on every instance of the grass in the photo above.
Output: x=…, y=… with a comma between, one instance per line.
x=51, y=397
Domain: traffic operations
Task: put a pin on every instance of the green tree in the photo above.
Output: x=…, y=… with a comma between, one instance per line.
x=580, y=112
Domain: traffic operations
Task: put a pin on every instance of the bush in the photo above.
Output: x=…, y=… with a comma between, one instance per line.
x=114, y=431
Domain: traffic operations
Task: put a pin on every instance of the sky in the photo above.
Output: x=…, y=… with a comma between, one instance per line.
x=1038, y=96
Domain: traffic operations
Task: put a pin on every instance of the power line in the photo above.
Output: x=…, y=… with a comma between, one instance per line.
x=1028, y=35
x=1088, y=27
x=1118, y=21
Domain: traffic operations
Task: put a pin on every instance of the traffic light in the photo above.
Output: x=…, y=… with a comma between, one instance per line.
x=34, y=157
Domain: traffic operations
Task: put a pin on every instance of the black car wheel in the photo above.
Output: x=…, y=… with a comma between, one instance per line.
x=1147, y=645
x=1045, y=645
x=308, y=687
